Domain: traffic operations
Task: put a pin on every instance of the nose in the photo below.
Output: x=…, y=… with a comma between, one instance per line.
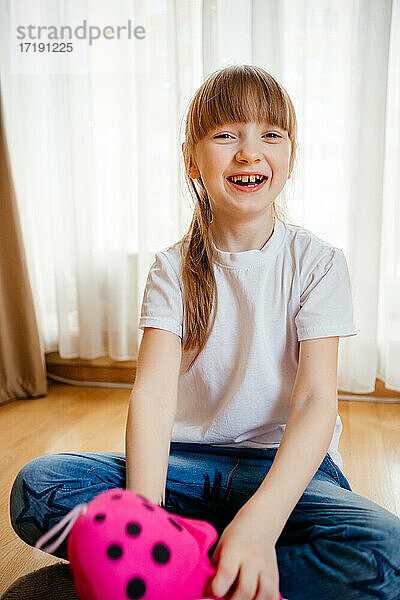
x=248, y=154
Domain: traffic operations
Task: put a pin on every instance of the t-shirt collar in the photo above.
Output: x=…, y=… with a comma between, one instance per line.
x=252, y=257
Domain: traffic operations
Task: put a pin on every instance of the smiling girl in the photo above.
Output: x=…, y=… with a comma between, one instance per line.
x=236, y=381
x=247, y=311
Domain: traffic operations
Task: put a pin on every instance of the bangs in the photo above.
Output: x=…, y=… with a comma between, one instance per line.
x=239, y=94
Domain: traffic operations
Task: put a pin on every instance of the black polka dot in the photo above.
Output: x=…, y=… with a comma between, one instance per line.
x=116, y=496
x=114, y=551
x=100, y=517
x=148, y=506
x=136, y=588
x=161, y=554
x=133, y=528
x=175, y=524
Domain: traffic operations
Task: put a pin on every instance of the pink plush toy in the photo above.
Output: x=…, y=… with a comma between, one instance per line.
x=121, y=546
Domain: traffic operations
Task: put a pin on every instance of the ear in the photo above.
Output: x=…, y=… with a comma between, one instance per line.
x=191, y=168
x=203, y=531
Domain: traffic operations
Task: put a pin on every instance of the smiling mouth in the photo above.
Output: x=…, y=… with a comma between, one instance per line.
x=247, y=185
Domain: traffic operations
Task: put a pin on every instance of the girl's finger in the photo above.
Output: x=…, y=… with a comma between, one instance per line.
x=264, y=590
x=222, y=581
x=247, y=582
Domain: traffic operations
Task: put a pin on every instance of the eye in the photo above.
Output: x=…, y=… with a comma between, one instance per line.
x=220, y=135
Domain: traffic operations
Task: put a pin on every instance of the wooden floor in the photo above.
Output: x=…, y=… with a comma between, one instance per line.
x=93, y=419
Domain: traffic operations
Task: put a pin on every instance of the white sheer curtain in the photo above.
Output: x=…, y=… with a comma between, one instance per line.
x=96, y=158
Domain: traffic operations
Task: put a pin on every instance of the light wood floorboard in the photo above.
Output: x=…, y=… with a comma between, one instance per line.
x=92, y=419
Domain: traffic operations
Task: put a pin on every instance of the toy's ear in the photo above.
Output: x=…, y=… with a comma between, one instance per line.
x=202, y=531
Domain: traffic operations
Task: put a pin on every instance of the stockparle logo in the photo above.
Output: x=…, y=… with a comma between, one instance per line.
x=80, y=32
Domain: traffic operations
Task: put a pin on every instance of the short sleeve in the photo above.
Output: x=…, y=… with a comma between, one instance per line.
x=162, y=299
x=326, y=305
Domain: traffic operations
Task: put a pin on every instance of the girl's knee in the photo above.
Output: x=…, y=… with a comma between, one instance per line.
x=387, y=528
x=383, y=531
x=23, y=493
x=382, y=524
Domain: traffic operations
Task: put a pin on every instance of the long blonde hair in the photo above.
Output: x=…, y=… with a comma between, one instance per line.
x=238, y=93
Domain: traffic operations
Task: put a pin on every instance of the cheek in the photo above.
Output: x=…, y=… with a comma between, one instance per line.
x=217, y=163
x=213, y=170
x=281, y=165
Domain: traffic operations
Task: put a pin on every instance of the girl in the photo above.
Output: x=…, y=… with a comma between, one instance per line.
x=237, y=376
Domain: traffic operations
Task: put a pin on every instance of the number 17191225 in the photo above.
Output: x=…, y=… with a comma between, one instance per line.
x=46, y=47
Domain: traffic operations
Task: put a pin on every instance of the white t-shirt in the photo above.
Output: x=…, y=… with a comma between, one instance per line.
x=238, y=391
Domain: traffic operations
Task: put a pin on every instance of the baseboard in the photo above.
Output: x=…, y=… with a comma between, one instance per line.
x=104, y=370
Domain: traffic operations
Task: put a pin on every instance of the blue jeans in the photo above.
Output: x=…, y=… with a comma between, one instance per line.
x=336, y=544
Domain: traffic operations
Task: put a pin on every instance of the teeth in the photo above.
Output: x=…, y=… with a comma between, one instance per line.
x=246, y=178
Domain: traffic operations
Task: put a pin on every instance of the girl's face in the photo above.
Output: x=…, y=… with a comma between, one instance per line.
x=239, y=149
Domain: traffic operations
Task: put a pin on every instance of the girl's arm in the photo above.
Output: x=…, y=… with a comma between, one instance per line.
x=308, y=433
x=151, y=413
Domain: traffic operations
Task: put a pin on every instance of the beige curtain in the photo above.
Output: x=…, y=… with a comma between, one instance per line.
x=22, y=365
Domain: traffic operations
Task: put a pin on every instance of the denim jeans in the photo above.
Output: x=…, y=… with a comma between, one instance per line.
x=336, y=544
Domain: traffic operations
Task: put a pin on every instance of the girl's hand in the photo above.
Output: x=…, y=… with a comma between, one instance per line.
x=246, y=553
